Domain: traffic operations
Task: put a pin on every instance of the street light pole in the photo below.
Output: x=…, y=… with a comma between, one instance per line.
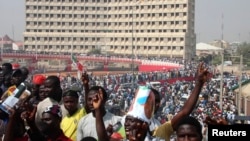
x=132, y=47
x=2, y=49
x=221, y=81
x=222, y=65
x=36, y=46
x=240, y=88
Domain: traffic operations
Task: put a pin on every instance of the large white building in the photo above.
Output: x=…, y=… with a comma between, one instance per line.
x=146, y=27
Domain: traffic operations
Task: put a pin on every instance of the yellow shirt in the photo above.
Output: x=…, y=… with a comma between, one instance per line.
x=69, y=123
x=8, y=92
x=164, y=131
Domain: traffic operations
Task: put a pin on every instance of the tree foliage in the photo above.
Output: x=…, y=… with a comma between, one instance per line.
x=95, y=51
x=244, y=49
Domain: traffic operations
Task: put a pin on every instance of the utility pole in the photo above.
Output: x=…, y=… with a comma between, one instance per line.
x=222, y=79
x=222, y=65
x=36, y=46
x=240, y=88
x=133, y=85
x=1, y=48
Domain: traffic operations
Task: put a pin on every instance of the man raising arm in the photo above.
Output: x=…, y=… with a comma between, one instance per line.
x=165, y=130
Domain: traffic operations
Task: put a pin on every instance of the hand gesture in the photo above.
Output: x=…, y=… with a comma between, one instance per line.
x=217, y=121
x=109, y=129
x=98, y=100
x=85, y=78
x=202, y=74
x=12, y=112
x=29, y=115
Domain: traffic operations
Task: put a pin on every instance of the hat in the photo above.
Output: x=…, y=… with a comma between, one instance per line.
x=143, y=104
x=54, y=110
x=38, y=79
x=15, y=66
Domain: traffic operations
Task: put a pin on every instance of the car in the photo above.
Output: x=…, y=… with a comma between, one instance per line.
x=125, y=86
x=183, y=99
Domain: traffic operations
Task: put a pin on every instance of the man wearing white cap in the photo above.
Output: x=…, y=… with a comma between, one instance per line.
x=137, y=119
x=139, y=116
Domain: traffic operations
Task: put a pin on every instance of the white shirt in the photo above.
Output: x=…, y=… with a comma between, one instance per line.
x=87, y=125
x=153, y=125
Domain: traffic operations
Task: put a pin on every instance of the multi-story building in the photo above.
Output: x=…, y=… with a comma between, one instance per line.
x=121, y=27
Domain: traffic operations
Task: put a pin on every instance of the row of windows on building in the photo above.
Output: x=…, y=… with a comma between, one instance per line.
x=91, y=1
x=149, y=23
x=86, y=39
x=101, y=31
x=87, y=47
x=103, y=7
x=106, y=16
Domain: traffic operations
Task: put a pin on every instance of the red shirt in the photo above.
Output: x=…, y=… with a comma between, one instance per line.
x=24, y=138
x=62, y=137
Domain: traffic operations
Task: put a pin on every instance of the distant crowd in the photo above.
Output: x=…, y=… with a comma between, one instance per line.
x=91, y=108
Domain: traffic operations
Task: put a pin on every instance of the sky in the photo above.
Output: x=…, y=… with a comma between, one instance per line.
x=210, y=15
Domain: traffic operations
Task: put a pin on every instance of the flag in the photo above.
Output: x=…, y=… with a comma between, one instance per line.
x=76, y=63
x=15, y=46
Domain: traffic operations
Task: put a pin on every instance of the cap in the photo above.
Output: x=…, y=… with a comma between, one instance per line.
x=143, y=104
x=15, y=66
x=54, y=110
x=38, y=79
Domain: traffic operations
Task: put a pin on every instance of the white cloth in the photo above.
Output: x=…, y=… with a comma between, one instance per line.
x=87, y=124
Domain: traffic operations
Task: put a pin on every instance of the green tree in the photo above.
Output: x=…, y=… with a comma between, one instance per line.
x=95, y=51
x=244, y=49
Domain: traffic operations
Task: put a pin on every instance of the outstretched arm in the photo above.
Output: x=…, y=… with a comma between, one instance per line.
x=100, y=127
x=201, y=78
x=85, y=81
x=9, y=134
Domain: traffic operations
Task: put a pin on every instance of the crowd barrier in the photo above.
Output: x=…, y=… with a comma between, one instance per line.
x=150, y=68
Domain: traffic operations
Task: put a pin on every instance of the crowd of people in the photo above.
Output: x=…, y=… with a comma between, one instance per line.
x=92, y=108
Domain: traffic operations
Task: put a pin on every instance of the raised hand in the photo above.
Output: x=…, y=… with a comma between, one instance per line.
x=12, y=112
x=85, y=78
x=98, y=100
x=85, y=81
x=215, y=121
x=202, y=74
x=29, y=115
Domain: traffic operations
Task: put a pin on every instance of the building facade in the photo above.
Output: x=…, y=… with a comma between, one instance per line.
x=161, y=28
